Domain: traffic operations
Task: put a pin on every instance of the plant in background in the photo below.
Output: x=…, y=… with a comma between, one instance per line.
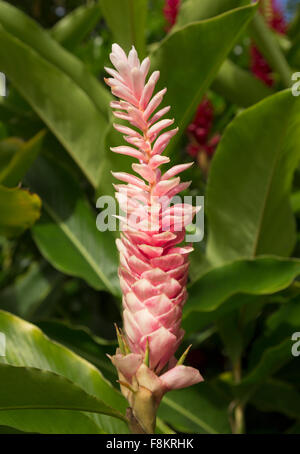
x=275, y=19
x=153, y=271
x=201, y=145
x=170, y=10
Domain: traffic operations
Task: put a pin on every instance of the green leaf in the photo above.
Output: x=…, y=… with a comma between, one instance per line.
x=278, y=329
x=272, y=350
x=185, y=45
x=234, y=83
x=248, y=206
x=270, y=48
x=293, y=54
x=8, y=148
x=239, y=86
x=19, y=210
x=195, y=10
x=26, y=30
x=49, y=422
x=24, y=388
x=9, y=430
x=127, y=20
x=196, y=410
x=66, y=233
x=29, y=290
x=21, y=161
x=294, y=26
x=28, y=347
x=72, y=29
x=277, y=396
x=72, y=103
x=231, y=334
x=295, y=201
x=112, y=162
x=272, y=359
x=222, y=289
x=80, y=340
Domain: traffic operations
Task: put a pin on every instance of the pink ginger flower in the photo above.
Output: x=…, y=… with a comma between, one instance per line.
x=153, y=268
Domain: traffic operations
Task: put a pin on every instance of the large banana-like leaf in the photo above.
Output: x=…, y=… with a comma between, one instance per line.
x=127, y=21
x=239, y=86
x=195, y=10
x=227, y=287
x=196, y=410
x=248, y=204
x=67, y=234
x=24, y=388
x=277, y=396
x=69, y=99
x=206, y=44
x=71, y=29
x=44, y=365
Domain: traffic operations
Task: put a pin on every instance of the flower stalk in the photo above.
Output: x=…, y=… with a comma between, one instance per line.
x=153, y=268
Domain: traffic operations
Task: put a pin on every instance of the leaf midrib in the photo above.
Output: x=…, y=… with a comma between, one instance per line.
x=88, y=174
x=266, y=196
x=64, y=407
x=190, y=109
x=90, y=260
x=189, y=415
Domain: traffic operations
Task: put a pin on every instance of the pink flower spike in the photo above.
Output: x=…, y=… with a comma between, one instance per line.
x=153, y=268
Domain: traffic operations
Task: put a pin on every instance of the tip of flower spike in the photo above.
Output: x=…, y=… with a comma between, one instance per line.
x=118, y=51
x=183, y=356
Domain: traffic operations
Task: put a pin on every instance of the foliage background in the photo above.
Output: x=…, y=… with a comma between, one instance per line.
x=59, y=273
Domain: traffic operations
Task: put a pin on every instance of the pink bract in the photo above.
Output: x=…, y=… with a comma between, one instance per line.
x=153, y=266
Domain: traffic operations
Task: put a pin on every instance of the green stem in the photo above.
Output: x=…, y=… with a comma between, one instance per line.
x=238, y=412
x=268, y=45
x=133, y=424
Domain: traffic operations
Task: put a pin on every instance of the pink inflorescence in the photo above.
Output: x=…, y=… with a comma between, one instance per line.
x=201, y=144
x=153, y=268
x=171, y=10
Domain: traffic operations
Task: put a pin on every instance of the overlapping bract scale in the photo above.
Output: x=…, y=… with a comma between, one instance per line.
x=153, y=268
